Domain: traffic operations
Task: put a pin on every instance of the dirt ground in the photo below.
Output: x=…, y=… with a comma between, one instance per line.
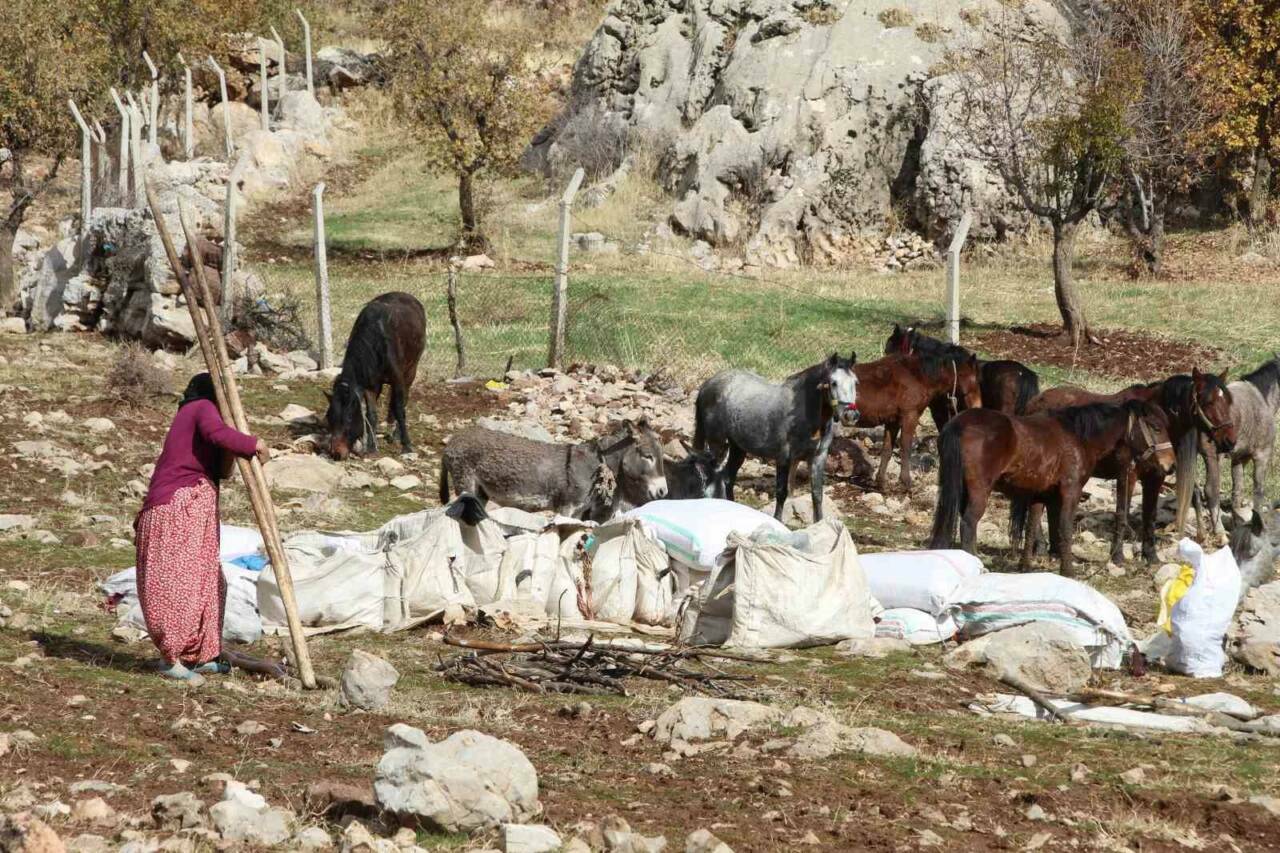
x=98, y=713
x=1123, y=355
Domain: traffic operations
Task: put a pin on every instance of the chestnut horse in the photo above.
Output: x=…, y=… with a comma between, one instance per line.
x=383, y=349
x=1198, y=407
x=1006, y=386
x=894, y=391
x=1046, y=457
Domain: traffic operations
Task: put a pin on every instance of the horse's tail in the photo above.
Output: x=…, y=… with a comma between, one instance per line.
x=1019, y=509
x=1185, y=476
x=699, y=423
x=1028, y=389
x=444, y=481
x=951, y=492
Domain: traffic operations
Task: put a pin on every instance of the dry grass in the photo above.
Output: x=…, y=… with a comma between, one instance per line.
x=134, y=377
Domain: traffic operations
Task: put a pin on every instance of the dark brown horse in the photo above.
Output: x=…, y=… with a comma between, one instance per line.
x=1198, y=411
x=385, y=345
x=1007, y=386
x=894, y=391
x=1046, y=457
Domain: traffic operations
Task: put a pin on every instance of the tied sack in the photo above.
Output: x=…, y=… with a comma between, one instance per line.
x=631, y=577
x=1202, y=615
x=921, y=580
x=915, y=626
x=784, y=597
x=696, y=532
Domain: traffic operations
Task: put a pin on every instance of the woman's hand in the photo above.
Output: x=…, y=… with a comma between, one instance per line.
x=263, y=452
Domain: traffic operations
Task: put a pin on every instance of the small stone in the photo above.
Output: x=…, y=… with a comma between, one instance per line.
x=250, y=727
x=529, y=838
x=77, y=700
x=1035, y=812
x=1135, y=776
x=178, y=811
x=810, y=839
x=406, y=482
x=179, y=765
x=389, y=467
x=1271, y=804
x=1079, y=773
x=52, y=810
x=94, y=811
x=313, y=838
x=367, y=681
x=702, y=841
x=1028, y=760
x=1004, y=740
x=99, y=425
x=929, y=838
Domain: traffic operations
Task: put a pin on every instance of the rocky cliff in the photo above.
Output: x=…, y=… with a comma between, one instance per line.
x=789, y=129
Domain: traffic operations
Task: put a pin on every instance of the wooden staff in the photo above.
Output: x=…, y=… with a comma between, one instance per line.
x=213, y=348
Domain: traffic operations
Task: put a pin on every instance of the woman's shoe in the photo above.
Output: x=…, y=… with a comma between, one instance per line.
x=213, y=667
x=177, y=672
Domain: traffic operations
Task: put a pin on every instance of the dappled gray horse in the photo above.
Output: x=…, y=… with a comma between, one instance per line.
x=1256, y=546
x=740, y=413
x=594, y=480
x=1255, y=400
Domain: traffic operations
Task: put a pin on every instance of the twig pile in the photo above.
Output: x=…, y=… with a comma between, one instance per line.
x=587, y=667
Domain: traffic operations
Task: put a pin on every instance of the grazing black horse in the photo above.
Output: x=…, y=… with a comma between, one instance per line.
x=742, y=414
x=385, y=345
x=1006, y=386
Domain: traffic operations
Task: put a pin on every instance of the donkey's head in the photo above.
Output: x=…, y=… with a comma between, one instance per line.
x=637, y=450
x=840, y=384
x=347, y=420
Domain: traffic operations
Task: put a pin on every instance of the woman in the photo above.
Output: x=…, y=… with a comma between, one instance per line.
x=180, y=584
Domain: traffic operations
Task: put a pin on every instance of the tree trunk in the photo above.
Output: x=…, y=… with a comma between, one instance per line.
x=1260, y=190
x=8, y=276
x=472, y=238
x=1064, y=286
x=1156, y=262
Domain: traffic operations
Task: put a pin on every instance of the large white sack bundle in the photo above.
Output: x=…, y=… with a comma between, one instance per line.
x=784, y=597
x=234, y=542
x=994, y=601
x=630, y=574
x=1201, y=617
x=697, y=531
x=920, y=580
x=917, y=627
x=567, y=583
x=705, y=610
x=241, y=622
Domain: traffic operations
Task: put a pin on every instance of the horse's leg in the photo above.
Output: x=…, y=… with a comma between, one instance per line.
x=371, y=421
x=1124, y=496
x=1213, y=488
x=1150, y=503
x=1261, y=464
x=886, y=453
x=818, y=471
x=730, y=473
x=1031, y=536
x=1066, y=523
x=1237, y=484
x=785, y=467
x=905, y=441
x=976, y=496
x=399, y=391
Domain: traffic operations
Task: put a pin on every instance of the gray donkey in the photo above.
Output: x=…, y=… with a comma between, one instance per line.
x=1255, y=399
x=595, y=480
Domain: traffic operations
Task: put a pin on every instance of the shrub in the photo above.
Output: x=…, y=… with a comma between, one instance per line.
x=275, y=321
x=896, y=17
x=592, y=138
x=929, y=33
x=134, y=377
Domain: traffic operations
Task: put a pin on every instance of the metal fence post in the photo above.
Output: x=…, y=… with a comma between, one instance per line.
x=560, y=295
x=155, y=98
x=953, y=277
x=122, y=177
x=306, y=42
x=86, y=168
x=188, y=134
x=322, y=283
x=226, y=106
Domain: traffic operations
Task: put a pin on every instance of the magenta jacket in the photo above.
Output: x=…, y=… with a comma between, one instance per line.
x=192, y=451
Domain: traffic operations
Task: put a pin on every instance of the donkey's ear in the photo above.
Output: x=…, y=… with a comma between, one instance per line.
x=1196, y=375
x=834, y=359
x=897, y=330
x=853, y=356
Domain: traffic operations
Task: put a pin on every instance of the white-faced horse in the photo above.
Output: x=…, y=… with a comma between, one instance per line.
x=742, y=414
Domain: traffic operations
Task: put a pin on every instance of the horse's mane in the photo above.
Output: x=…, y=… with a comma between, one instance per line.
x=933, y=363
x=363, y=361
x=1176, y=391
x=1266, y=378
x=1090, y=421
x=926, y=345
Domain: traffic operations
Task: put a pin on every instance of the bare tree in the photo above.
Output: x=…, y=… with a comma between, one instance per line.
x=1049, y=120
x=1168, y=119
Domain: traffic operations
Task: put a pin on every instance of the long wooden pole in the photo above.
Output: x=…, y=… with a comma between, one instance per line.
x=265, y=511
x=213, y=348
x=122, y=178
x=560, y=292
x=226, y=106
x=264, y=99
x=306, y=41
x=188, y=137
x=86, y=168
x=323, y=317
x=154, y=105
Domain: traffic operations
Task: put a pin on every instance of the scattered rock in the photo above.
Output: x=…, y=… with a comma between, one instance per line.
x=13, y=326
x=1271, y=804
x=1079, y=773
x=529, y=838
x=28, y=835
x=701, y=718
x=250, y=727
x=830, y=738
x=313, y=838
x=1004, y=740
x=618, y=836
x=406, y=482
x=477, y=263
x=1029, y=760
x=10, y=521
x=702, y=841
x=1135, y=776
x=367, y=681
x=389, y=467
x=1042, y=654
x=96, y=786
x=295, y=414
x=52, y=810
x=1036, y=812
x=99, y=425
x=303, y=473
x=94, y=811
x=178, y=811
x=1225, y=703
x=244, y=816
x=872, y=647
x=467, y=781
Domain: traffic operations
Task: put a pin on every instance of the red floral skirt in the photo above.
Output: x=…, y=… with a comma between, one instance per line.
x=180, y=584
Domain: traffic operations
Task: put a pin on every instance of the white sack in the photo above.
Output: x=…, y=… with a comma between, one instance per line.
x=915, y=626
x=241, y=622
x=566, y=579
x=995, y=600
x=1129, y=718
x=1201, y=617
x=922, y=580
x=613, y=573
x=234, y=542
x=783, y=597
x=697, y=531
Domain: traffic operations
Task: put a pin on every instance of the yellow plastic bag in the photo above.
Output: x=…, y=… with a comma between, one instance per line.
x=1171, y=593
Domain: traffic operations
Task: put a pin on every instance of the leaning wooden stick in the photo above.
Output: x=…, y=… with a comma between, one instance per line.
x=267, y=516
x=250, y=470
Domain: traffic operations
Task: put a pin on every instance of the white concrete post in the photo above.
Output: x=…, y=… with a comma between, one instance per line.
x=155, y=98
x=86, y=168
x=226, y=107
x=280, y=73
x=100, y=136
x=306, y=46
x=953, y=277
x=188, y=132
x=122, y=179
x=264, y=97
x=230, y=213
x=322, y=282
x=135, y=150
x=560, y=295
